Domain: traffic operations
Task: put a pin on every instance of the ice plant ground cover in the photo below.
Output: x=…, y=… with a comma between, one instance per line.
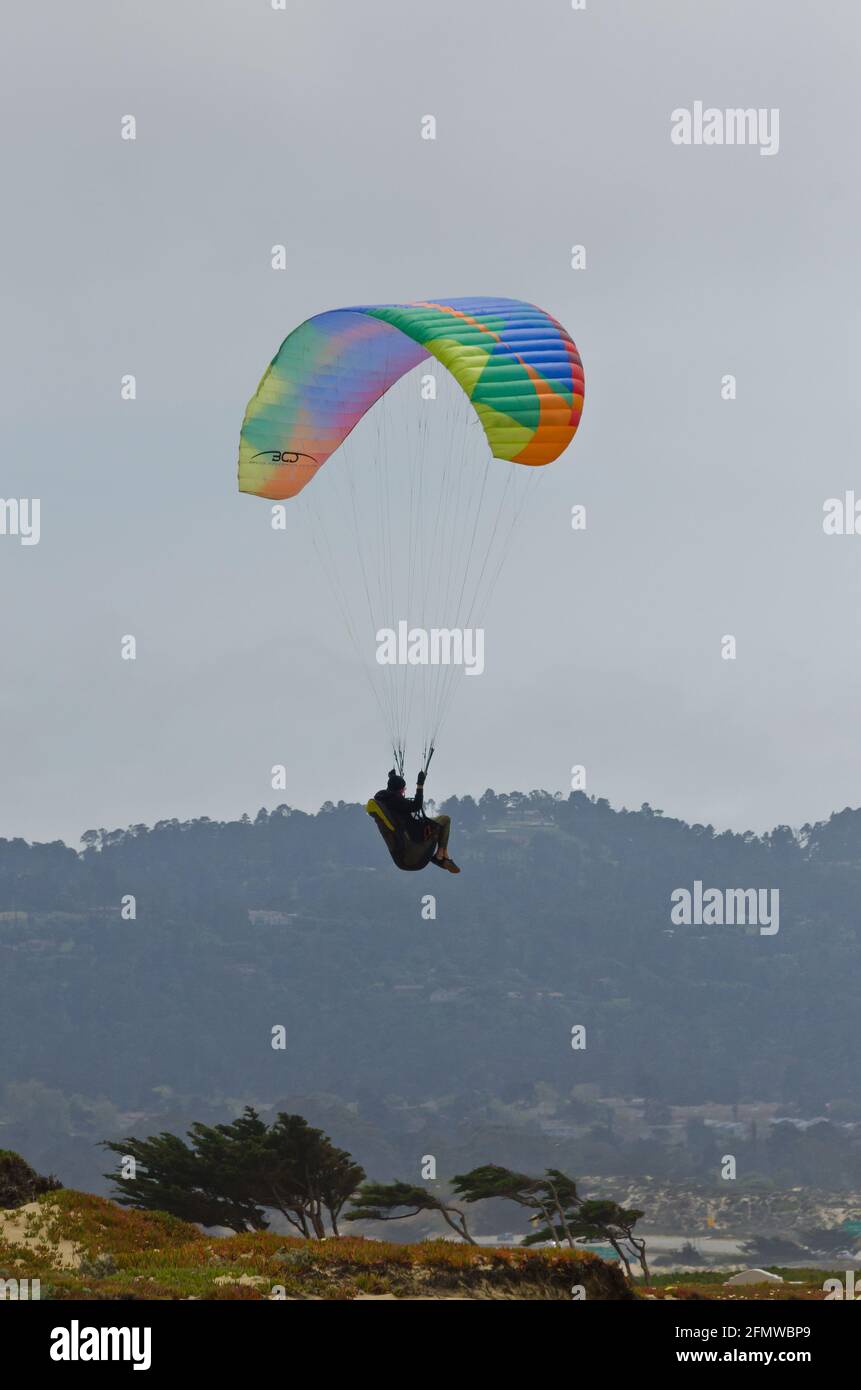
x=85, y=1247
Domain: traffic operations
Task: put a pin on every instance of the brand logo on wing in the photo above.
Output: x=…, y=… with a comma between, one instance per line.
x=276, y=456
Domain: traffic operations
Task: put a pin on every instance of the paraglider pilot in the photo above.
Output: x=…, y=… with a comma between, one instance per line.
x=413, y=839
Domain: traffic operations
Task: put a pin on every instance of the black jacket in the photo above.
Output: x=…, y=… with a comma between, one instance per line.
x=403, y=811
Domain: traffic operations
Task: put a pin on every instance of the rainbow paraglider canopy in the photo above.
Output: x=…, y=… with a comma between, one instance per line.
x=518, y=366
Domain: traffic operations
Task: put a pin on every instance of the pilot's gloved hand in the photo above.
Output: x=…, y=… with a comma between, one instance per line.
x=420, y=780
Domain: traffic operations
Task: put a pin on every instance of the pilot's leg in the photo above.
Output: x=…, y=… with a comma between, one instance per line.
x=444, y=823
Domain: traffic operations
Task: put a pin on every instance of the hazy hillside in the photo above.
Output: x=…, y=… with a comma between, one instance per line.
x=449, y=1036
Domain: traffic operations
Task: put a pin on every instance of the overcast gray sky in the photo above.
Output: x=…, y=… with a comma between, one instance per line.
x=302, y=127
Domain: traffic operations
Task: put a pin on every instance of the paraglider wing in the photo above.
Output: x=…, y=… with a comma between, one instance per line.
x=427, y=511
x=518, y=366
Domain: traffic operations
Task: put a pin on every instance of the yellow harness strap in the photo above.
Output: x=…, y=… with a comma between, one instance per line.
x=373, y=808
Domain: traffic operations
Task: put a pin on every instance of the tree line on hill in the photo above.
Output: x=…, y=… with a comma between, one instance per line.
x=442, y=1025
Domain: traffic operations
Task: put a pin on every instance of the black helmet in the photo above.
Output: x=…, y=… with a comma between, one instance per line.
x=395, y=783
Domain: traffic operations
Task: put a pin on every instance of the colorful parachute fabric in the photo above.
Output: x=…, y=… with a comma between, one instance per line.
x=518, y=366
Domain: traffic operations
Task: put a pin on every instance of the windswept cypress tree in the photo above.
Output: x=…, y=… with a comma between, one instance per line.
x=230, y=1174
x=380, y=1201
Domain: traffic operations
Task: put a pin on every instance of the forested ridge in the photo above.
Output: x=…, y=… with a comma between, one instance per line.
x=404, y=1024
